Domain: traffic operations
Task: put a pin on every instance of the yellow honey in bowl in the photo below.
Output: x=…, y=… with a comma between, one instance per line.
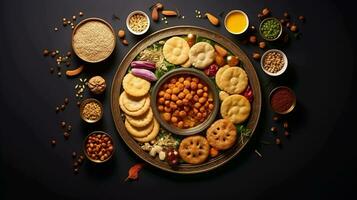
x=236, y=22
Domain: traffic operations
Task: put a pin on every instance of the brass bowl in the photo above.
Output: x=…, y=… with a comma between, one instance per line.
x=292, y=105
x=212, y=89
x=85, y=21
x=85, y=144
x=81, y=107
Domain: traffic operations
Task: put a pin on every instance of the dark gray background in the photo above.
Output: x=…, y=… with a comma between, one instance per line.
x=318, y=161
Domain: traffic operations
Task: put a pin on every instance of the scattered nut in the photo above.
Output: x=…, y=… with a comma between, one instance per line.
x=253, y=39
x=121, y=33
x=286, y=15
x=256, y=56
x=277, y=141
x=125, y=42
x=293, y=28
x=262, y=45
x=265, y=12
x=286, y=125
x=45, y=52
x=301, y=18
x=286, y=133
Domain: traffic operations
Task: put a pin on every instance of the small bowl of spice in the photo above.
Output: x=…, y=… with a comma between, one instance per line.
x=91, y=110
x=93, y=40
x=270, y=29
x=282, y=100
x=98, y=147
x=274, y=62
x=138, y=22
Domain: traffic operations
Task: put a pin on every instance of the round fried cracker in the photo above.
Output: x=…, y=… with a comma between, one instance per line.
x=235, y=108
x=152, y=135
x=142, y=120
x=219, y=75
x=194, y=149
x=139, y=131
x=201, y=55
x=139, y=112
x=135, y=86
x=234, y=80
x=176, y=50
x=222, y=134
x=133, y=103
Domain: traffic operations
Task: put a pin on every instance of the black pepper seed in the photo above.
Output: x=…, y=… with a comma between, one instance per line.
x=69, y=53
x=66, y=135
x=74, y=154
x=63, y=107
x=76, y=170
x=75, y=164
x=80, y=13
x=63, y=124
x=66, y=101
x=80, y=161
x=52, y=70
x=53, y=142
x=81, y=157
x=78, y=103
x=69, y=128
x=59, y=74
x=53, y=54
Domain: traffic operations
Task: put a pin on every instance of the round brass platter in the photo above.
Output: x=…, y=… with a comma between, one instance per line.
x=157, y=36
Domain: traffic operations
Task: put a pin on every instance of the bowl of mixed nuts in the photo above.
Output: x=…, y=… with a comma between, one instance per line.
x=91, y=110
x=98, y=147
x=274, y=62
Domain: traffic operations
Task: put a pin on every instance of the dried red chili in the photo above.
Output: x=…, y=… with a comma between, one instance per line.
x=282, y=99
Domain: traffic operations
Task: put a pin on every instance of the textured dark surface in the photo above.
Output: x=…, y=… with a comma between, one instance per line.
x=318, y=161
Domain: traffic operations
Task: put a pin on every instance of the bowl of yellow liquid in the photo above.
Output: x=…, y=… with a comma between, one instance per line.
x=236, y=22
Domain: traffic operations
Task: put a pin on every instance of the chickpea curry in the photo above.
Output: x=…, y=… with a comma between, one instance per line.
x=185, y=101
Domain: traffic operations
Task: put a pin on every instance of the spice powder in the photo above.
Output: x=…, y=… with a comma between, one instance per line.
x=93, y=41
x=282, y=100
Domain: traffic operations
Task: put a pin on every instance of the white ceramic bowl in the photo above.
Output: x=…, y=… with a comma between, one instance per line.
x=282, y=69
x=138, y=12
x=236, y=11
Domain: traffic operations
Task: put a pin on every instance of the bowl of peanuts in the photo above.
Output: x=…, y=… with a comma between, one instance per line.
x=185, y=101
x=274, y=62
x=98, y=147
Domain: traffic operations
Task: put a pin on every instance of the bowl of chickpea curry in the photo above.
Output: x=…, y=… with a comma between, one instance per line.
x=185, y=101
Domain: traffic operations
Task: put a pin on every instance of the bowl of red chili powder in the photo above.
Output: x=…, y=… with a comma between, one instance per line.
x=282, y=100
